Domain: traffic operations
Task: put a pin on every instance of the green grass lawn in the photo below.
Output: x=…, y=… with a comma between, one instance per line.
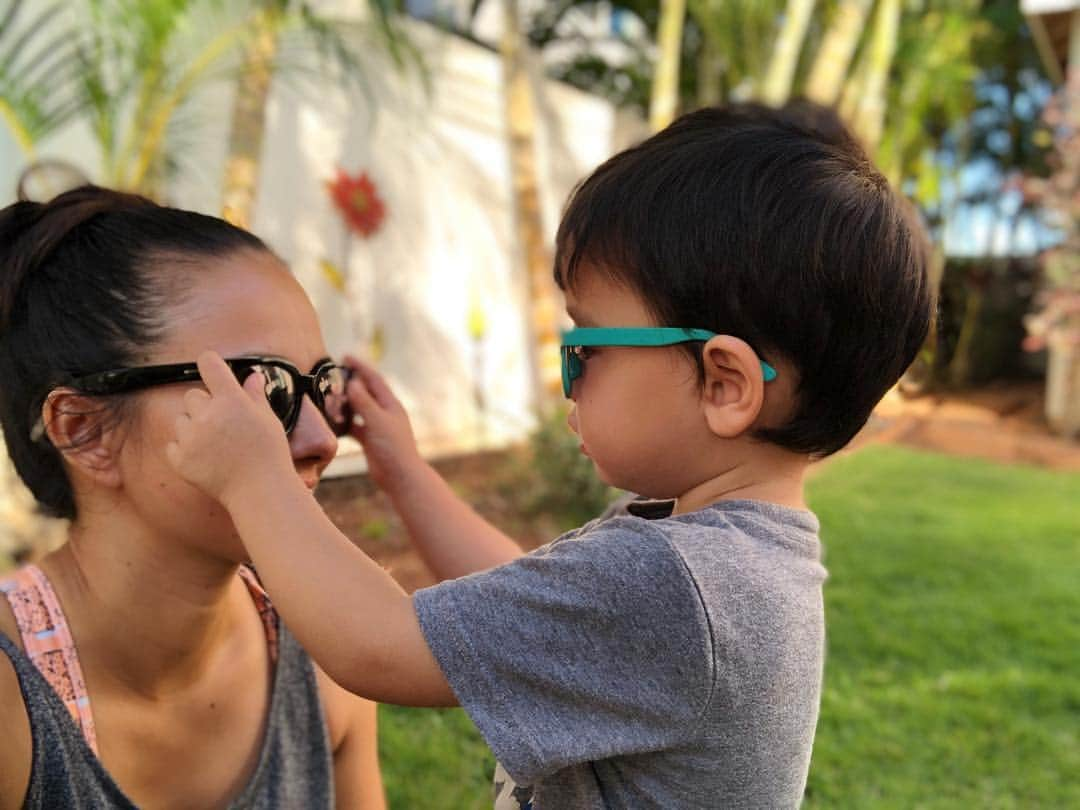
x=953, y=614
x=953, y=670
x=433, y=758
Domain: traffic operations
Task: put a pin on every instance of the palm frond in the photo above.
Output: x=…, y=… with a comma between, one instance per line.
x=38, y=60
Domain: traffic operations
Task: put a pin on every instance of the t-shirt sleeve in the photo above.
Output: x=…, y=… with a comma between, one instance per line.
x=594, y=646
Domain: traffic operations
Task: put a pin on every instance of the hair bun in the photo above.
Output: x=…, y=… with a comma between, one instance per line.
x=31, y=232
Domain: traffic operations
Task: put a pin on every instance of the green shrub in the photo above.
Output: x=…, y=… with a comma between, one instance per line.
x=555, y=478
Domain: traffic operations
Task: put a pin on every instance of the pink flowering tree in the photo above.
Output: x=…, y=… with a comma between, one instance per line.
x=1055, y=323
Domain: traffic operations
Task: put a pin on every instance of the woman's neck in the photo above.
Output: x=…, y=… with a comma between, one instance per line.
x=147, y=615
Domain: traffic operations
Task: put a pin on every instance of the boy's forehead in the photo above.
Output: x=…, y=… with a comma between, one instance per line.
x=579, y=317
x=581, y=299
x=598, y=301
x=573, y=306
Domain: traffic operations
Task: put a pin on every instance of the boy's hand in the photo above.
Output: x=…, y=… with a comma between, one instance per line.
x=385, y=432
x=228, y=434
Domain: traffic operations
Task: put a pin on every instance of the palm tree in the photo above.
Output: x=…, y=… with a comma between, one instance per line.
x=39, y=81
x=665, y=90
x=867, y=107
x=136, y=67
x=249, y=116
x=270, y=21
x=736, y=43
x=776, y=87
x=520, y=104
x=834, y=56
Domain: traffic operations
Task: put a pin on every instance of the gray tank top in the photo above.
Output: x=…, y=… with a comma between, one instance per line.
x=294, y=769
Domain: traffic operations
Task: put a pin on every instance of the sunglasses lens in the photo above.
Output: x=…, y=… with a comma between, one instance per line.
x=571, y=369
x=331, y=383
x=280, y=391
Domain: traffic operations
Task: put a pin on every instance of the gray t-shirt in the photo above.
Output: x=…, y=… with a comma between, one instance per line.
x=672, y=662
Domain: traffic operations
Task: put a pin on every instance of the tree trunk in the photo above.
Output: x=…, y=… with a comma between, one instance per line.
x=1063, y=389
x=780, y=76
x=960, y=366
x=521, y=131
x=710, y=74
x=249, y=122
x=869, y=116
x=665, y=87
x=826, y=79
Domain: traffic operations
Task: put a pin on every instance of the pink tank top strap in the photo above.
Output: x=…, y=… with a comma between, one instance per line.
x=47, y=642
x=265, y=608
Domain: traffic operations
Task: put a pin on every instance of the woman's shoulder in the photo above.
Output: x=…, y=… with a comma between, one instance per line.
x=15, y=753
x=7, y=620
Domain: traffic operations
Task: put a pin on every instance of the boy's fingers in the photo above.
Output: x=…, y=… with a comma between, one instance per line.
x=255, y=386
x=373, y=380
x=359, y=397
x=216, y=376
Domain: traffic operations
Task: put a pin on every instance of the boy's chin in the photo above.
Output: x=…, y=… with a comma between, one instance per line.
x=611, y=480
x=601, y=473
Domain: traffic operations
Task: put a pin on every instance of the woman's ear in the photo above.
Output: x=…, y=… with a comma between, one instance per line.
x=76, y=426
x=734, y=389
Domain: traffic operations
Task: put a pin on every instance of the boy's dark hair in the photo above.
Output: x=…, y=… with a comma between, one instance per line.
x=84, y=280
x=774, y=226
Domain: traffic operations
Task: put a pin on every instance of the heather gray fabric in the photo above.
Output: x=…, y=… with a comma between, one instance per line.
x=294, y=769
x=638, y=663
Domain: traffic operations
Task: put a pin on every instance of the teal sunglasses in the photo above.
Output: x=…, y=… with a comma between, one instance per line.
x=573, y=363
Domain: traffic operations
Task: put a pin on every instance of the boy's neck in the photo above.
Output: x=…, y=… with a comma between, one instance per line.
x=767, y=473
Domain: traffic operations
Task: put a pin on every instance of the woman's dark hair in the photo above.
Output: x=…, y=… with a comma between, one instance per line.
x=774, y=226
x=84, y=280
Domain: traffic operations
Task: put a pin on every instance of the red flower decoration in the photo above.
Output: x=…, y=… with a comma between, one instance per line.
x=358, y=202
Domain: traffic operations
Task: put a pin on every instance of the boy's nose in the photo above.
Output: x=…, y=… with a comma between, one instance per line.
x=311, y=439
x=571, y=419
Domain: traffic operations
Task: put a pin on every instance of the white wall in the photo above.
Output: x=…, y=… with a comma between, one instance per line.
x=447, y=246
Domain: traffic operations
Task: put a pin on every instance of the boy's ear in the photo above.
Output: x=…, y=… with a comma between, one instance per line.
x=734, y=389
x=75, y=425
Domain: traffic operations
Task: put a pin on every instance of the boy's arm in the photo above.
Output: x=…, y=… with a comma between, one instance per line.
x=347, y=612
x=450, y=536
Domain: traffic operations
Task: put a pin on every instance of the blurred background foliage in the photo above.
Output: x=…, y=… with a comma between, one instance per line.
x=947, y=95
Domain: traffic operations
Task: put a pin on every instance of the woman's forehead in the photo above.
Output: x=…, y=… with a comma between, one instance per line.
x=247, y=304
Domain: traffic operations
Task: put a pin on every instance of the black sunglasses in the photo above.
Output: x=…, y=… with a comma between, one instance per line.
x=285, y=385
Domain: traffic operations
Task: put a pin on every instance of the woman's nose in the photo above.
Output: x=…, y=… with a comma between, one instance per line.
x=311, y=439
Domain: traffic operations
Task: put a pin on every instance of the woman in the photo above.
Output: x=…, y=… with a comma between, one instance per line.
x=142, y=665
